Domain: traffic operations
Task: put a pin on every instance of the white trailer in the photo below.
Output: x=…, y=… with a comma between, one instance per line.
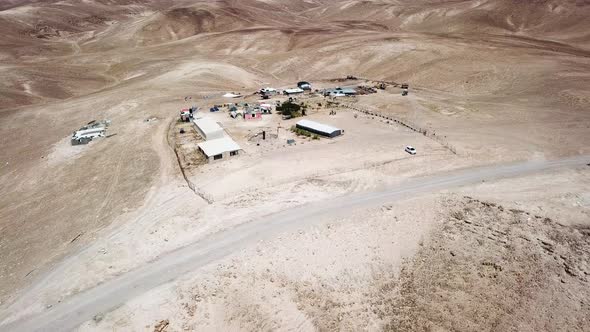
x=84, y=136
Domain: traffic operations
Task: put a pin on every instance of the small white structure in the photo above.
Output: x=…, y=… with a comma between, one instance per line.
x=231, y=95
x=268, y=91
x=208, y=128
x=266, y=108
x=92, y=132
x=319, y=128
x=340, y=92
x=84, y=136
x=219, y=148
x=293, y=91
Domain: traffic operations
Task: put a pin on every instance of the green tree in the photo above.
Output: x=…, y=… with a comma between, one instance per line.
x=289, y=108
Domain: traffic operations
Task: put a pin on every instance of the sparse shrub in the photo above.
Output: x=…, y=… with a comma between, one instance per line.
x=302, y=132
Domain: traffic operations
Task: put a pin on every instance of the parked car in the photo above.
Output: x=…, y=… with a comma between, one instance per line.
x=304, y=85
x=410, y=149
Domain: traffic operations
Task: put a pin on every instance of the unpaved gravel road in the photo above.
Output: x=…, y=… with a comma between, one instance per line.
x=107, y=296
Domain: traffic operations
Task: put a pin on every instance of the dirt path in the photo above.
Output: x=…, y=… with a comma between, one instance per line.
x=103, y=298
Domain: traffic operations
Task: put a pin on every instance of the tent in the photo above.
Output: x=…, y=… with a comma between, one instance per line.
x=231, y=95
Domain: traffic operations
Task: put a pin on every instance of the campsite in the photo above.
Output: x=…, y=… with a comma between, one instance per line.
x=271, y=165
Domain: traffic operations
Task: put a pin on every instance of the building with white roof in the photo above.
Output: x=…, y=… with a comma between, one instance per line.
x=219, y=148
x=340, y=92
x=319, y=128
x=208, y=128
x=293, y=91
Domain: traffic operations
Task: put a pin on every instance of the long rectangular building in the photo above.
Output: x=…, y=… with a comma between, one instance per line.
x=319, y=128
x=208, y=128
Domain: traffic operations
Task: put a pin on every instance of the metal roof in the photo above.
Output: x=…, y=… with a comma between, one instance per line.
x=89, y=131
x=317, y=126
x=294, y=90
x=341, y=90
x=219, y=146
x=207, y=125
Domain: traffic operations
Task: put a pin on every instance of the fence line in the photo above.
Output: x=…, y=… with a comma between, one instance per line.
x=190, y=184
x=395, y=84
x=431, y=135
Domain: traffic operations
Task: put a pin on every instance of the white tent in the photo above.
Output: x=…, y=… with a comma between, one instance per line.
x=231, y=95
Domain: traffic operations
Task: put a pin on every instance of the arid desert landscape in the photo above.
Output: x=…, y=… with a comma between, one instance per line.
x=313, y=165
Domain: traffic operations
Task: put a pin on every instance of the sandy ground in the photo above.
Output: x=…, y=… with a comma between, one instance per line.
x=403, y=266
x=498, y=82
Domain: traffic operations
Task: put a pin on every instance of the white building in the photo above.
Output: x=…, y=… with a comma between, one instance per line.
x=84, y=136
x=220, y=148
x=268, y=91
x=318, y=128
x=293, y=91
x=208, y=128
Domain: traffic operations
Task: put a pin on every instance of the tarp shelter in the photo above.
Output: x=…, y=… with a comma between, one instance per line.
x=208, y=128
x=319, y=128
x=219, y=148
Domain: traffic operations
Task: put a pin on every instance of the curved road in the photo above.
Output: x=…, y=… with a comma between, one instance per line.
x=115, y=292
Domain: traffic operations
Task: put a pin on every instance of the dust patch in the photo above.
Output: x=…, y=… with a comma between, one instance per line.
x=63, y=152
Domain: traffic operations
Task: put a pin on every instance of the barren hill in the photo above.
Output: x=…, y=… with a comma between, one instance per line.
x=35, y=30
x=491, y=82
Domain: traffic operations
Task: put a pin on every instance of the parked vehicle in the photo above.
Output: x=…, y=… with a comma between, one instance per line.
x=410, y=150
x=304, y=85
x=405, y=89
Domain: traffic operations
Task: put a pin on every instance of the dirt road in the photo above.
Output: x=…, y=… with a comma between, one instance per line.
x=107, y=296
